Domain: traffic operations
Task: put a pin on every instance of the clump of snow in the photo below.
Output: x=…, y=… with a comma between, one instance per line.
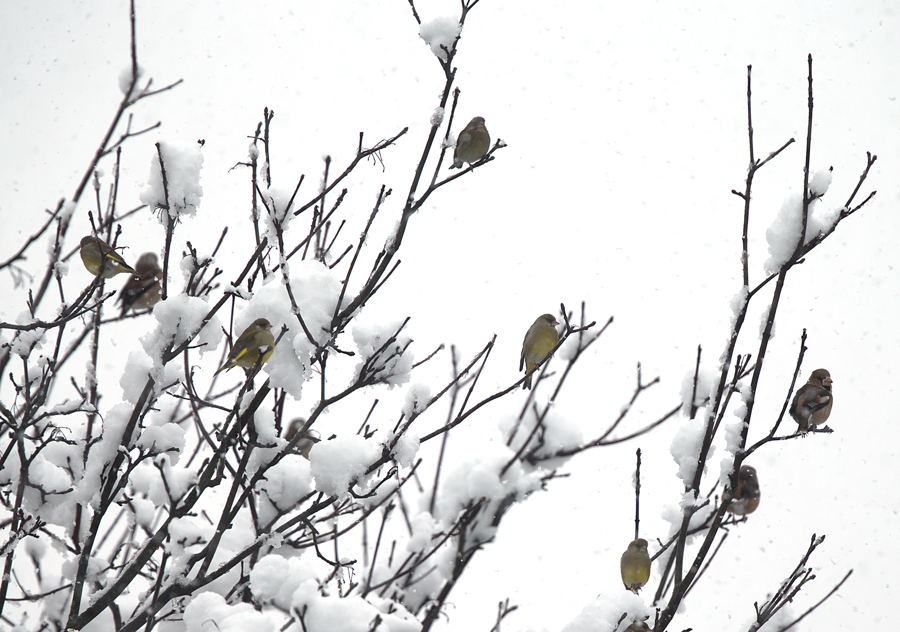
x=348, y=614
x=65, y=215
x=178, y=319
x=274, y=579
x=50, y=478
x=125, y=78
x=276, y=209
x=103, y=452
x=26, y=340
x=738, y=303
x=603, y=614
x=437, y=117
x=60, y=269
x=423, y=528
x=438, y=33
x=820, y=181
x=134, y=375
x=337, y=463
x=763, y=322
x=209, y=610
x=382, y=360
x=287, y=481
x=784, y=233
x=417, y=398
x=685, y=448
x=556, y=433
x=168, y=438
x=406, y=449
x=707, y=381
x=182, y=193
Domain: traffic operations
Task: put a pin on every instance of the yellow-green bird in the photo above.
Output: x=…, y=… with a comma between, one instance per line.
x=100, y=259
x=539, y=342
x=635, y=565
x=473, y=143
x=253, y=346
x=142, y=290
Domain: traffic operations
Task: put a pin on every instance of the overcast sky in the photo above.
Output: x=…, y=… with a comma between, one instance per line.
x=626, y=130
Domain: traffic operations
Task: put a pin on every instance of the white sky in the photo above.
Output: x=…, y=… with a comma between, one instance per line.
x=626, y=126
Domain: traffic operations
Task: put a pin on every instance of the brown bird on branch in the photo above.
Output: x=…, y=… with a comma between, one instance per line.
x=746, y=494
x=812, y=402
x=142, y=290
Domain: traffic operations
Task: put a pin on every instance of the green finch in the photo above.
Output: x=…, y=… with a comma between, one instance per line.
x=253, y=346
x=539, y=342
x=473, y=143
x=746, y=495
x=635, y=565
x=142, y=290
x=100, y=259
x=812, y=402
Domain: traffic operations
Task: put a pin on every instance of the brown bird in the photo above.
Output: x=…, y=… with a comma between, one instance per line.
x=539, y=341
x=142, y=290
x=812, y=402
x=473, y=143
x=635, y=565
x=638, y=626
x=306, y=441
x=746, y=494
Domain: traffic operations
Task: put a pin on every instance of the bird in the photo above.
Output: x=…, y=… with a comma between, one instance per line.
x=473, y=143
x=746, y=494
x=100, y=259
x=638, y=626
x=635, y=565
x=252, y=347
x=539, y=342
x=812, y=402
x=142, y=290
x=306, y=441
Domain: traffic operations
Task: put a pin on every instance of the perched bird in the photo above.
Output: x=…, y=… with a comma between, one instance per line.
x=473, y=143
x=638, y=626
x=635, y=565
x=253, y=346
x=539, y=341
x=100, y=259
x=812, y=402
x=306, y=441
x=142, y=290
x=746, y=494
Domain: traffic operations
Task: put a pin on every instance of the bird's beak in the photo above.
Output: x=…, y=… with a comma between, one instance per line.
x=828, y=381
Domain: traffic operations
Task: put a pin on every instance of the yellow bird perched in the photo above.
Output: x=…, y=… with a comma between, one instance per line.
x=635, y=565
x=539, y=342
x=142, y=290
x=253, y=346
x=812, y=403
x=100, y=259
x=473, y=143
